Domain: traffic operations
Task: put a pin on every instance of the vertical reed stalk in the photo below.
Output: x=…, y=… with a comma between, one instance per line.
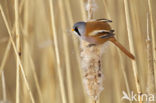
x=25, y=34
x=150, y=71
x=21, y=5
x=153, y=37
x=63, y=94
x=66, y=52
x=114, y=52
x=26, y=6
x=19, y=52
x=4, y=88
x=130, y=39
x=69, y=14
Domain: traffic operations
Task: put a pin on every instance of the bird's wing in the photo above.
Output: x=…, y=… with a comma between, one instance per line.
x=107, y=35
x=102, y=33
x=104, y=20
x=100, y=20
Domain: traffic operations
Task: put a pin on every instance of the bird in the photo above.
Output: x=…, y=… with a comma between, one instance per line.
x=97, y=32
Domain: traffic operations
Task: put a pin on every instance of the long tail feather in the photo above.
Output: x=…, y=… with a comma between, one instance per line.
x=123, y=49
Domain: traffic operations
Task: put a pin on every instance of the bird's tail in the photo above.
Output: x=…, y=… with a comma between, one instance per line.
x=123, y=49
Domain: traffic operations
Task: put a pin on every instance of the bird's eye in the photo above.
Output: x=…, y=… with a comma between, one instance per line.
x=76, y=29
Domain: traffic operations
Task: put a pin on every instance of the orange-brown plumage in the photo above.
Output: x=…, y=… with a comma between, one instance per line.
x=92, y=26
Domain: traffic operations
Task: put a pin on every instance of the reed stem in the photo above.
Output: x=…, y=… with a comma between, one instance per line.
x=66, y=52
x=4, y=88
x=150, y=71
x=62, y=87
x=153, y=37
x=130, y=39
x=19, y=52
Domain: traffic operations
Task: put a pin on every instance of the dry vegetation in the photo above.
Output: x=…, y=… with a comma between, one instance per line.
x=40, y=57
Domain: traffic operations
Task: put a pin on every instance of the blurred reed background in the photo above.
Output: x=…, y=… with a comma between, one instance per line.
x=40, y=57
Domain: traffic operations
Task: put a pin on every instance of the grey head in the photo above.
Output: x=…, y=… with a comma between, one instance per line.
x=79, y=28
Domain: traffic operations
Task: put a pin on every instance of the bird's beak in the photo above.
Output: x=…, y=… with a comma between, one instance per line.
x=72, y=29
